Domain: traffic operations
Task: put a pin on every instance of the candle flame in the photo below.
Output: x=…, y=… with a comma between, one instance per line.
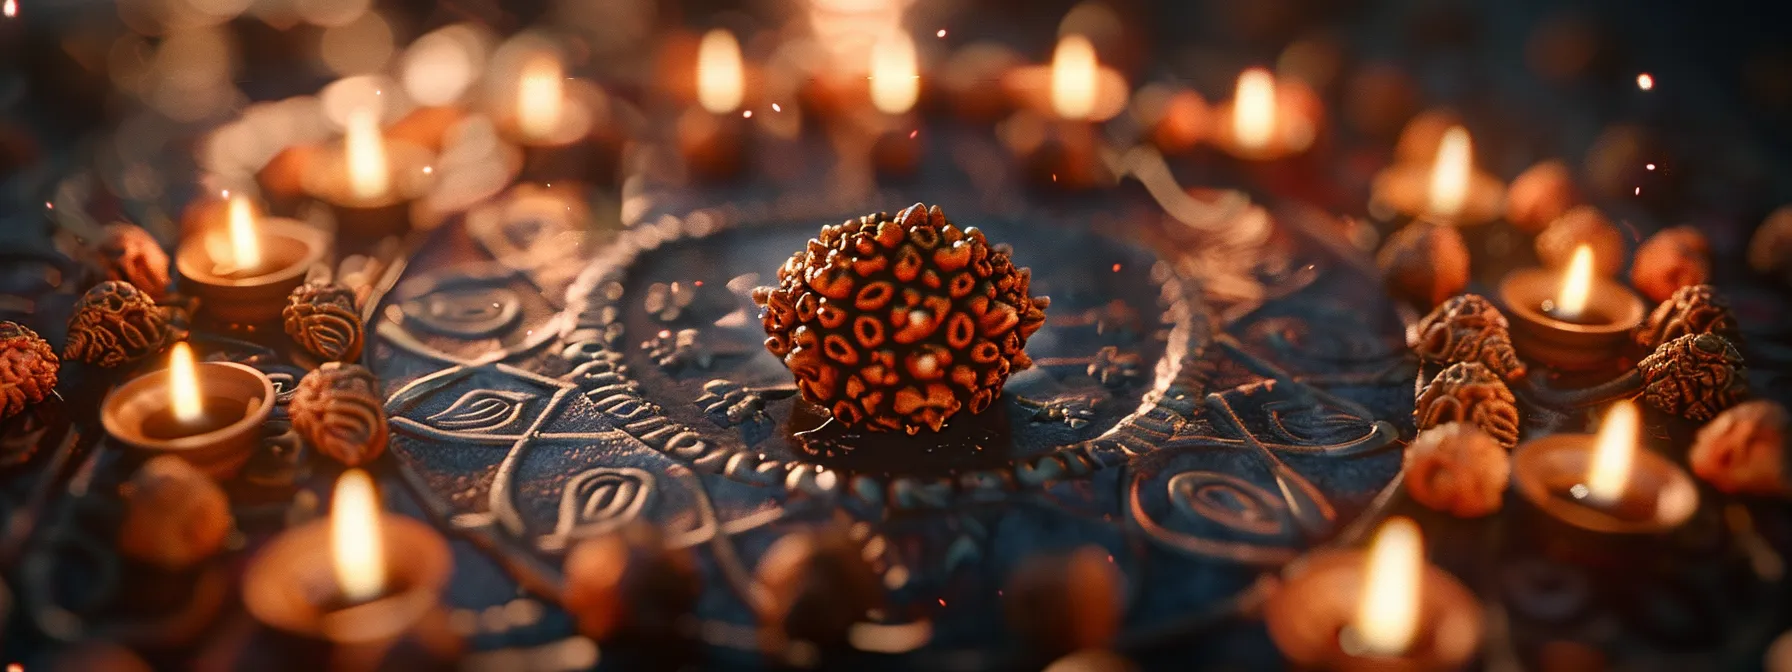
x=1577, y=285
x=895, y=82
x=539, y=97
x=1254, y=109
x=366, y=155
x=356, y=549
x=1388, y=615
x=1074, y=72
x=245, y=247
x=183, y=385
x=1450, y=173
x=1613, y=451
x=11, y=8
x=720, y=77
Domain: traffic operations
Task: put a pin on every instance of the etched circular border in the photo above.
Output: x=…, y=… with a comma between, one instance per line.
x=593, y=339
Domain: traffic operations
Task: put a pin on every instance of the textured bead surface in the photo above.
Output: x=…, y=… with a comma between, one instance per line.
x=175, y=515
x=1695, y=376
x=1467, y=328
x=339, y=410
x=899, y=322
x=1670, y=260
x=1743, y=450
x=1424, y=263
x=28, y=368
x=1695, y=309
x=322, y=319
x=128, y=253
x=1469, y=392
x=115, y=324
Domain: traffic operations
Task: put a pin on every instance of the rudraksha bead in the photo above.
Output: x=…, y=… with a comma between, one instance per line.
x=27, y=368
x=899, y=322
x=1695, y=376
x=1694, y=309
x=1469, y=392
x=175, y=515
x=1065, y=603
x=128, y=253
x=1770, y=249
x=1582, y=225
x=339, y=410
x=1458, y=469
x=1669, y=260
x=1540, y=195
x=818, y=585
x=1424, y=263
x=626, y=584
x=1467, y=328
x=322, y=319
x=1743, y=450
x=115, y=324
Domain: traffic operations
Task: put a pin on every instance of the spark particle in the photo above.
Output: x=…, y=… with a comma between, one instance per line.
x=11, y=9
x=942, y=32
x=913, y=133
x=1645, y=82
x=1116, y=268
x=428, y=169
x=1650, y=166
x=776, y=108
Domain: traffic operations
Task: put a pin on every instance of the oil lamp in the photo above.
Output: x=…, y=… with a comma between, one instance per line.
x=1265, y=120
x=1575, y=320
x=243, y=271
x=561, y=124
x=1605, y=483
x=895, y=86
x=1054, y=131
x=329, y=584
x=209, y=414
x=369, y=182
x=1449, y=189
x=712, y=135
x=1383, y=609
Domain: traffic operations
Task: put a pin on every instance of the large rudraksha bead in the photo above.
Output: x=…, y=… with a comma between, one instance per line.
x=899, y=322
x=115, y=324
x=1467, y=328
x=27, y=368
x=1695, y=376
x=1743, y=450
x=127, y=252
x=1469, y=392
x=1693, y=309
x=322, y=319
x=338, y=409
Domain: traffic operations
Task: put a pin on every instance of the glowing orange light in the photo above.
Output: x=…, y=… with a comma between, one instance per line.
x=245, y=246
x=357, y=552
x=1254, y=109
x=1074, y=71
x=11, y=8
x=1614, y=449
x=539, y=97
x=721, y=81
x=184, y=396
x=1450, y=173
x=1388, y=615
x=1645, y=82
x=367, y=175
x=895, y=82
x=1577, y=285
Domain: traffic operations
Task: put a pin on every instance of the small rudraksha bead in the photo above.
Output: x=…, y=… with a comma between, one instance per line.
x=27, y=368
x=1424, y=263
x=1458, y=469
x=115, y=324
x=128, y=253
x=1469, y=392
x=1467, y=328
x=1695, y=376
x=339, y=410
x=175, y=515
x=1540, y=195
x=898, y=322
x=1694, y=309
x=322, y=319
x=1669, y=260
x=1582, y=225
x=1743, y=450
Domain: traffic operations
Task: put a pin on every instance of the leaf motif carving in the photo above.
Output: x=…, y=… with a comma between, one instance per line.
x=482, y=411
x=599, y=500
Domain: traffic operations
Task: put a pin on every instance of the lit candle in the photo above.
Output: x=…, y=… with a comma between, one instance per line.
x=368, y=174
x=1074, y=78
x=712, y=134
x=1254, y=109
x=1265, y=119
x=1447, y=189
x=245, y=248
x=895, y=80
x=209, y=414
x=1054, y=132
x=1575, y=320
x=242, y=269
x=540, y=96
x=1380, y=609
x=369, y=181
x=1604, y=482
x=356, y=553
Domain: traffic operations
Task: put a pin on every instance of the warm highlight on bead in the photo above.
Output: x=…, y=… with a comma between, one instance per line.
x=899, y=322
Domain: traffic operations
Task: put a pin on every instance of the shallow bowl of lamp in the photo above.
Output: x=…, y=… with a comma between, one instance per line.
x=239, y=398
x=1658, y=496
x=291, y=584
x=1611, y=313
x=1307, y=617
x=288, y=249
